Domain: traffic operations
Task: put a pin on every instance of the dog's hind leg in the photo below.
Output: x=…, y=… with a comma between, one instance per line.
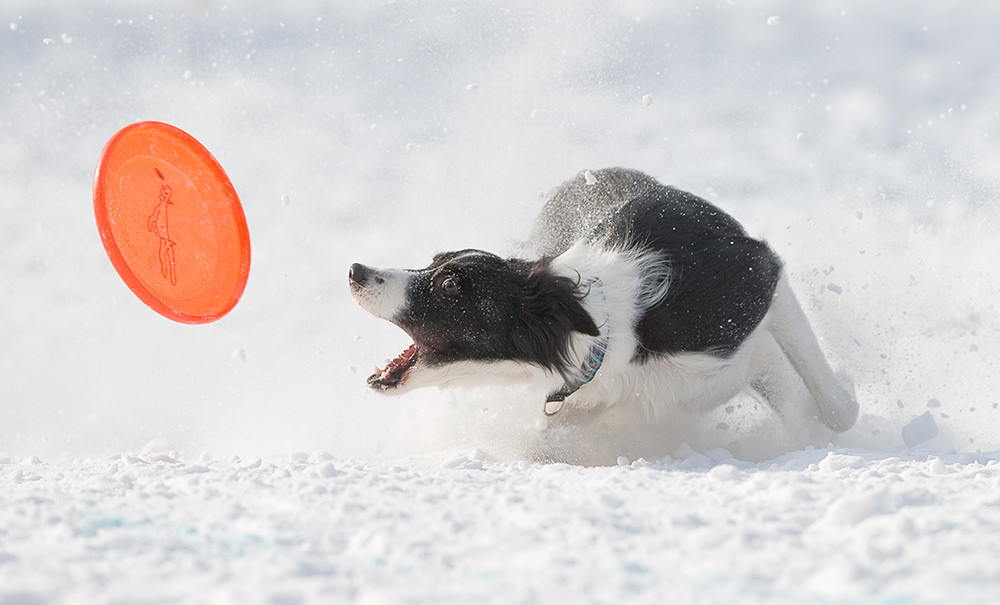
x=836, y=406
x=774, y=382
x=771, y=378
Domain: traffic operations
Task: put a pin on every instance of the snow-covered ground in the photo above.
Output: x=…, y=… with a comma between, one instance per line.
x=146, y=461
x=810, y=527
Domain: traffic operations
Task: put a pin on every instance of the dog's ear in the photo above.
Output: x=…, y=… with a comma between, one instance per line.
x=557, y=299
x=551, y=311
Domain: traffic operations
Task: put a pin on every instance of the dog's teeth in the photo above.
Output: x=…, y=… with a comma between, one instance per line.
x=378, y=370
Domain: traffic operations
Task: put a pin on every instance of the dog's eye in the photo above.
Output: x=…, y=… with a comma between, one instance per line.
x=449, y=286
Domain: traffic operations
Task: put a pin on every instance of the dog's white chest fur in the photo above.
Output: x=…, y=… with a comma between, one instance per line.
x=630, y=283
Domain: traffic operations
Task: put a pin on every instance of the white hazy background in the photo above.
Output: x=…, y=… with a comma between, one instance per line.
x=861, y=139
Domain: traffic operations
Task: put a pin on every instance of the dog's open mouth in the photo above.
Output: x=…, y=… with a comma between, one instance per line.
x=395, y=373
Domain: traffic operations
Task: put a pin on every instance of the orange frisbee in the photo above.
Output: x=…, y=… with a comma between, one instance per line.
x=171, y=222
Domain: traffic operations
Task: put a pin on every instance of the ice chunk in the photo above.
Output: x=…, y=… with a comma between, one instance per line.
x=855, y=508
x=835, y=462
x=920, y=429
x=647, y=100
x=589, y=177
x=725, y=472
x=773, y=20
x=320, y=456
x=832, y=287
x=719, y=454
x=327, y=470
x=937, y=467
x=463, y=462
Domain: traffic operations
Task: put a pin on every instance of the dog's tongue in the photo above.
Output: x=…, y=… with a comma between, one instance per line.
x=393, y=373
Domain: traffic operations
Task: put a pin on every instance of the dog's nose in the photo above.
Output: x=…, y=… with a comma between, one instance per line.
x=358, y=274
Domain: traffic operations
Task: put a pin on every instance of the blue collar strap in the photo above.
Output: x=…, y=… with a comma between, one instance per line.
x=590, y=366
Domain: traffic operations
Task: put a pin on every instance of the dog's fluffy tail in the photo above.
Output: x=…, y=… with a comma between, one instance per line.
x=836, y=405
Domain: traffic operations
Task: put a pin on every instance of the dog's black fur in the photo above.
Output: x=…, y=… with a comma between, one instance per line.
x=721, y=280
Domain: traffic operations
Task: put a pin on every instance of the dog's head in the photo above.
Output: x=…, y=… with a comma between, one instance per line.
x=469, y=312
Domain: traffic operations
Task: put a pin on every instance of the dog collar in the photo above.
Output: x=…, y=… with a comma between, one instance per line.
x=593, y=361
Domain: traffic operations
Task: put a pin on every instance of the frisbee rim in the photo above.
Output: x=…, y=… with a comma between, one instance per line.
x=147, y=296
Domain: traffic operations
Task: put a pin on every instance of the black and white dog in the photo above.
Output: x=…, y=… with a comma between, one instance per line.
x=644, y=297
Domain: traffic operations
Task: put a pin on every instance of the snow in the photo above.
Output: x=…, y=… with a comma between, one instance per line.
x=869, y=527
x=147, y=461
